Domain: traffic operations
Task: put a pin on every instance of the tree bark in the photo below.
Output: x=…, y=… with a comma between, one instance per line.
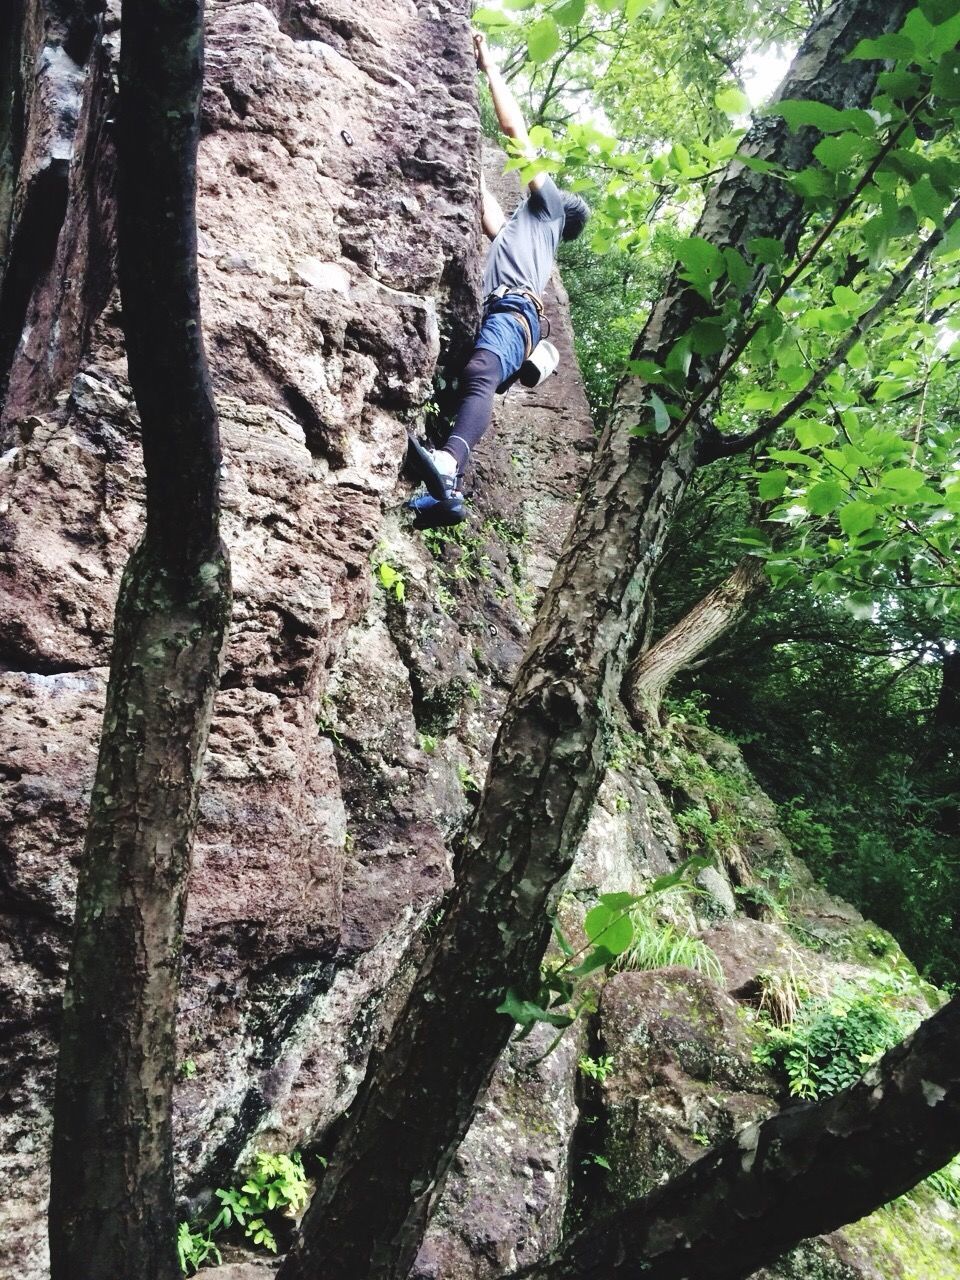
x=112, y=1209
x=804, y=1172
x=397, y=1140
x=712, y=617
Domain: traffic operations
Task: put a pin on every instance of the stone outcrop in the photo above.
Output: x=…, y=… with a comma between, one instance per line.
x=367, y=666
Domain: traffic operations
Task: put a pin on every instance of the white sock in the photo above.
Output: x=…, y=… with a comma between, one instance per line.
x=445, y=462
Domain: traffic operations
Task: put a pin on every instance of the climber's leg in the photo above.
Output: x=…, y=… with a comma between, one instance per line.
x=479, y=382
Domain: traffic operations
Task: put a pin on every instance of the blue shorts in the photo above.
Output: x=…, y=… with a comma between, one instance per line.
x=503, y=334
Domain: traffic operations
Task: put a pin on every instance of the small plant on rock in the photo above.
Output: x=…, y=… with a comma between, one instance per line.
x=595, y=1068
x=391, y=580
x=277, y=1184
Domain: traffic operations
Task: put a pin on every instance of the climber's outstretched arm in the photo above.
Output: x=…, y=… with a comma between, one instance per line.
x=505, y=104
x=491, y=214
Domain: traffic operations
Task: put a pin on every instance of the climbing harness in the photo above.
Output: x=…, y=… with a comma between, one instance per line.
x=538, y=361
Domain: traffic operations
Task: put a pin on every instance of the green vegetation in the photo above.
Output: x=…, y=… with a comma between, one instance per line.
x=828, y=1044
x=622, y=931
x=276, y=1185
x=657, y=944
x=391, y=580
x=595, y=1068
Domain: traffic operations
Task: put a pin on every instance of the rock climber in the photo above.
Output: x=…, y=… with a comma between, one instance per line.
x=515, y=274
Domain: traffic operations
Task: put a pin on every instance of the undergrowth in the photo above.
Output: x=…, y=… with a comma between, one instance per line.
x=277, y=1185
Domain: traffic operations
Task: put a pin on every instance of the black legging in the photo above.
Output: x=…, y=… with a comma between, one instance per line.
x=479, y=382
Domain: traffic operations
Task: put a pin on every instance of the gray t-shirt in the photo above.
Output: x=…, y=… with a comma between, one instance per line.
x=522, y=254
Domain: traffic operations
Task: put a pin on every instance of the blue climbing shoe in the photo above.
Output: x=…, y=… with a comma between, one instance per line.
x=431, y=514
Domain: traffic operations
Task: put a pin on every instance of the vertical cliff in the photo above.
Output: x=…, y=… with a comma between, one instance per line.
x=340, y=243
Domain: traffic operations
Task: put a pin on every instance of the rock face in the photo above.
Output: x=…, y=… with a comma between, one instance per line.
x=367, y=666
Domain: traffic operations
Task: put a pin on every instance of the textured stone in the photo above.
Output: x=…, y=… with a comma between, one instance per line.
x=338, y=209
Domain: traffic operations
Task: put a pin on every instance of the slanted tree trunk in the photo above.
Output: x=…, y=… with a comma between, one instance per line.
x=397, y=1140
x=804, y=1172
x=712, y=617
x=112, y=1209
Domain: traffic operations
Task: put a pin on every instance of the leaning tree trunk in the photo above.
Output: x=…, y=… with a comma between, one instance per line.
x=398, y=1138
x=112, y=1210
x=804, y=1172
x=712, y=617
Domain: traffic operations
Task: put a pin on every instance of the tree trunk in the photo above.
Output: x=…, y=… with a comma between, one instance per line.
x=396, y=1141
x=712, y=617
x=804, y=1172
x=112, y=1209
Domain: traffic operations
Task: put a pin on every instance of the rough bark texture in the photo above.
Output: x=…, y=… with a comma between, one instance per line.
x=710, y=618
x=368, y=1219
x=112, y=1206
x=805, y=1171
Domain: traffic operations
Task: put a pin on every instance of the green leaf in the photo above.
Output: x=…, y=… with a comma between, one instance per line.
x=772, y=485
x=686, y=871
x=569, y=14
x=848, y=299
x=700, y=257
x=931, y=40
x=927, y=201
x=598, y=958
x=526, y=1012
x=810, y=434
x=767, y=250
x=491, y=18
x=902, y=479
x=799, y=113
x=634, y=8
x=837, y=153
x=543, y=39
x=937, y=11
x=732, y=101
x=661, y=418
x=813, y=183
x=737, y=269
x=760, y=166
x=946, y=78
x=648, y=370
x=884, y=47
x=899, y=84
x=618, y=901
x=857, y=517
x=614, y=929
x=824, y=497
x=562, y=943
x=708, y=337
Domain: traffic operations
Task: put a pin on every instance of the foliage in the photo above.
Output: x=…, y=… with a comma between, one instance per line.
x=595, y=1068
x=612, y=929
x=194, y=1248
x=391, y=580
x=276, y=1184
x=657, y=945
x=830, y=1043
x=946, y=1183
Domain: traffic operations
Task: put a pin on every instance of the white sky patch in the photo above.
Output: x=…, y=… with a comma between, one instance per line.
x=763, y=70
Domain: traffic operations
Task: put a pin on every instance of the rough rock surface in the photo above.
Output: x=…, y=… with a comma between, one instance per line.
x=339, y=244
x=339, y=237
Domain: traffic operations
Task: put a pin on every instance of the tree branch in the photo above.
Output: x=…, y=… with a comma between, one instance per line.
x=804, y=1172
x=720, y=446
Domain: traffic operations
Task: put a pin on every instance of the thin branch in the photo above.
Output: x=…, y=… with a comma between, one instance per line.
x=728, y=446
